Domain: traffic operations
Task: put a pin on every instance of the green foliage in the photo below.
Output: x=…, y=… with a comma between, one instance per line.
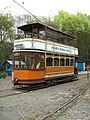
x=5, y=51
x=77, y=25
x=3, y=74
x=61, y=20
x=6, y=24
x=72, y=23
x=84, y=45
x=49, y=21
x=6, y=33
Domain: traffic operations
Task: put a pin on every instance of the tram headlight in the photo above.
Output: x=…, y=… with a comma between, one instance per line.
x=16, y=79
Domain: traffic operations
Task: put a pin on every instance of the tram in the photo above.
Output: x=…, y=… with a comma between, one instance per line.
x=39, y=56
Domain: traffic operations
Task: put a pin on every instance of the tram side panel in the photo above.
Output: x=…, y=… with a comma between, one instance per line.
x=58, y=72
x=28, y=76
x=25, y=77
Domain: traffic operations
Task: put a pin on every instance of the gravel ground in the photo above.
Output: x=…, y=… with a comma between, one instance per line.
x=80, y=111
x=35, y=104
x=6, y=83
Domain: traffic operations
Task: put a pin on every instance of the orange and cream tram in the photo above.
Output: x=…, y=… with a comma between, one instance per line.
x=40, y=56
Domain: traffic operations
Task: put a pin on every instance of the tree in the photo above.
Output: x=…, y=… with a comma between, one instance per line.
x=6, y=33
x=48, y=21
x=62, y=20
x=6, y=49
x=72, y=23
x=6, y=27
x=77, y=25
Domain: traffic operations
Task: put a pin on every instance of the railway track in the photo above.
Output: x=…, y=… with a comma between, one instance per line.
x=9, y=92
x=53, y=115
x=6, y=90
x=12, y=91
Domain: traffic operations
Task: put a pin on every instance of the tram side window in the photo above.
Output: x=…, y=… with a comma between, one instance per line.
x=72, y=62
x=36, y=61
x=67, y=62
x=56, y=61
x=39, y=61
x=49, y=61
x=42, y=61
x=62, y=62
x=76, y=59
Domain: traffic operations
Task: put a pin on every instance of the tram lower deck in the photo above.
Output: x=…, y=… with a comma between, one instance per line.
x=38, y=67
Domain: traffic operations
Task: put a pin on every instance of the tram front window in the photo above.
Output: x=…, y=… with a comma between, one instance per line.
x=16, y=62
x=20, y=60
x=23, y=60
x=29, y=60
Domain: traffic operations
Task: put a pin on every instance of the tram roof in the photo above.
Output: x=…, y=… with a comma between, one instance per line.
x=42, y=26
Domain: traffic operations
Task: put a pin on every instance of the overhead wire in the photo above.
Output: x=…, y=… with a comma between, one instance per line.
x=28, y=11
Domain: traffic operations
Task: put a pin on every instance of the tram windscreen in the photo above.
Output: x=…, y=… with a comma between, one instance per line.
x=29, y=60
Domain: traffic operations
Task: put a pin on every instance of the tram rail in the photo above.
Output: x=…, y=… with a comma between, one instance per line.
x=11, y=92
x=65, y=106
x=7, y=89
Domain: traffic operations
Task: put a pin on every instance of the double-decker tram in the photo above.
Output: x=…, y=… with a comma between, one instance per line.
x=40, y=56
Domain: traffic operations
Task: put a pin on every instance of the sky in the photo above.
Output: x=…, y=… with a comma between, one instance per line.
x=45, y=7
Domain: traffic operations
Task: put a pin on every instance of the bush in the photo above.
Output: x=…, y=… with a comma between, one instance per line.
x=3, y=74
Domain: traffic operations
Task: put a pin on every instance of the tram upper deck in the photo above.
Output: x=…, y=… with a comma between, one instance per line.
x=39, y=36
